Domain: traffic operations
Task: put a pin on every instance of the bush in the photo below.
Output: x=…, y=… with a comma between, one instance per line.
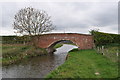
x=101, y=38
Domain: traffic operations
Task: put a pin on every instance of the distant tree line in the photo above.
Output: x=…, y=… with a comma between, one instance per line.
x=101, y=38
x=15, y=39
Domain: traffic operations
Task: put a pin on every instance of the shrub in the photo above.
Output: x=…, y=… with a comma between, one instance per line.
x=101, y=38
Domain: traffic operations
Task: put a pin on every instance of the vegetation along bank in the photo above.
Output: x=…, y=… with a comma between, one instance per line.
x=100, y=62
x=14, y=53
x=85, y=64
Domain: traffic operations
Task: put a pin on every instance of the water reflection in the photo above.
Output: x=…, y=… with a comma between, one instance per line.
x=37, y=67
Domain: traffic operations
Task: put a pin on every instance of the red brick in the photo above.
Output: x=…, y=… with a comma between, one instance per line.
x=83, y=41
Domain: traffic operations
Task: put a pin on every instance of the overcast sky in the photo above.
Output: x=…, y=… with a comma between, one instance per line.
x=68, y=17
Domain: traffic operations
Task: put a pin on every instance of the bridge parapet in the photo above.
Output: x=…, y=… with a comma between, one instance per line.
x=83, y=41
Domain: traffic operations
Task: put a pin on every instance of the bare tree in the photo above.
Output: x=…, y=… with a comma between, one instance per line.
x=31, y=21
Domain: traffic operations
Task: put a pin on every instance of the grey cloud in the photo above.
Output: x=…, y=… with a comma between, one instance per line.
x=71, y=17
x=106, y=15
x=106, y=18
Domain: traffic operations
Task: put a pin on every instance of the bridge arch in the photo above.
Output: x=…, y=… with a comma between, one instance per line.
x=83, y=41
x=51, y=48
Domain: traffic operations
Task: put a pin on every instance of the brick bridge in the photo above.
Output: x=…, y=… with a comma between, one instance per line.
x=48, y=41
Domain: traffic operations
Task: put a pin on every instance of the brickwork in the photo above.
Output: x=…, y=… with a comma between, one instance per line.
x=83, y=41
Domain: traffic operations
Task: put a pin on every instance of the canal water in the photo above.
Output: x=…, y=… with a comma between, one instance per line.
x=37, y=67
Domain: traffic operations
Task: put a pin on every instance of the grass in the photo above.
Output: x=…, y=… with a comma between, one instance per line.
x=58, y=45
x=85, y=64
x=61, y=44
x=16, y=52
x=111, y=51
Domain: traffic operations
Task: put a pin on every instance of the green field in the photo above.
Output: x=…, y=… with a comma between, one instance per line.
x=86, y=64
x=13, y=53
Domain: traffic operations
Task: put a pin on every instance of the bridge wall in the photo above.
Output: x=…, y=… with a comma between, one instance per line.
x=81, y=40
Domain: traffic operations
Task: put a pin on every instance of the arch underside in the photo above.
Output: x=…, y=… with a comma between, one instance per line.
x=61, y=41
x=51, y=49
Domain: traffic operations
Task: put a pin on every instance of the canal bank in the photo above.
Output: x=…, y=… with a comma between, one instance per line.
x=14, y=53
x=37, y=67
x=85, y=64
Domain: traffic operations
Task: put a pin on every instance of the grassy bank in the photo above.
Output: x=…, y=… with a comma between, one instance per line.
x=61, y=44
x=58, y=45
x=16, y=52
x=85, y=64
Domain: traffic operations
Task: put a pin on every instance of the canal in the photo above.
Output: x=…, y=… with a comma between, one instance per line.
x=37, y=67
